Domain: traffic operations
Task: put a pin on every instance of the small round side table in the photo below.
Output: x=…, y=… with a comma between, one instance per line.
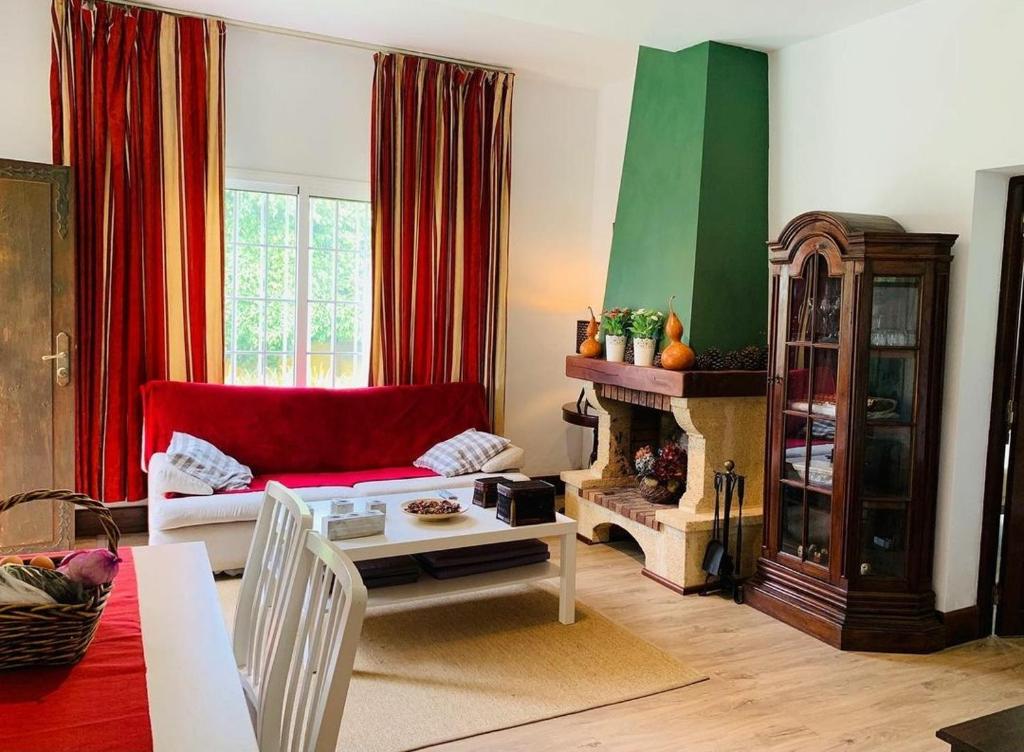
x=578, y=414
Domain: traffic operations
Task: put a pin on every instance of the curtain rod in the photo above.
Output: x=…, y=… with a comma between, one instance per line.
x=340, y=41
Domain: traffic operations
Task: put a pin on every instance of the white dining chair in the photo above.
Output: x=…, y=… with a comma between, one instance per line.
x=278, y=562
x=304, y=700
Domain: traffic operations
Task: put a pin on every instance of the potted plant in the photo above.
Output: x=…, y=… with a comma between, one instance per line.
x=661, y=475
x=614, y=323
x=644, y=325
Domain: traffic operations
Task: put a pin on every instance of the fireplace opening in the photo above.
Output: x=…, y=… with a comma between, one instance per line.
x=618, y=538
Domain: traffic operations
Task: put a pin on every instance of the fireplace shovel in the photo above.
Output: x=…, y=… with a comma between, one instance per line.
x=718, y=562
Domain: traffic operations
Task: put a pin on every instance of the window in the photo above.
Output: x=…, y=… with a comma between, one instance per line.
x=297, y=284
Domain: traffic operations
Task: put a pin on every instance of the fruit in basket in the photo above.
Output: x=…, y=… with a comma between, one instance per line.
x=94, y=567
x=43, y=562
x=11, y=560
x=54, y=584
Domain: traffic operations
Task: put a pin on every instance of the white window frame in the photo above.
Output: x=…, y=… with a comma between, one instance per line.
x=303, y=187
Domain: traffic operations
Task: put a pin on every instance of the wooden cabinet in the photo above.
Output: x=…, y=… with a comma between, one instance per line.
x=858, y=307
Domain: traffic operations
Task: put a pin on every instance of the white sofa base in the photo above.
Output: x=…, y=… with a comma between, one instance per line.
x=225, y=522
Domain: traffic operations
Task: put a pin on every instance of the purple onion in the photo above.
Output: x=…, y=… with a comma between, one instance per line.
x=91, y=568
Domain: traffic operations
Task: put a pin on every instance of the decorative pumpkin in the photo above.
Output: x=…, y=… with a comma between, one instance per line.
x=590, y=347
x=677, y=356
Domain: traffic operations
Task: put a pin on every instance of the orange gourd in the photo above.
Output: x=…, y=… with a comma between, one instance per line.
x=590, y=347
x=678, y=356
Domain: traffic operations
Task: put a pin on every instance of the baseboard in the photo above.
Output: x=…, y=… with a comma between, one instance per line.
x=554, y=480
x=962, y=625
x=586, y=540
x=669, y=584
x=129, y=518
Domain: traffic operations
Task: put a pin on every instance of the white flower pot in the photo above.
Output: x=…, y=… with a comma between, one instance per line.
x=643, y=352
x=615, y=347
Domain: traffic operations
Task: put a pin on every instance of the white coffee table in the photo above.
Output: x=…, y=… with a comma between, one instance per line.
x=404, y=534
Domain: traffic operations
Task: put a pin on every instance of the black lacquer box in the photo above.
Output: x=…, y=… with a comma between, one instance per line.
x=526, y=502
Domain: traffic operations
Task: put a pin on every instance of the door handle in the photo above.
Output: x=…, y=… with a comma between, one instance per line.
x=63, y=372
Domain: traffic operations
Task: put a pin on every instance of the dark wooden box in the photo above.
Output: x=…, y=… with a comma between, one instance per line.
x=485, y=491
x=526, y=502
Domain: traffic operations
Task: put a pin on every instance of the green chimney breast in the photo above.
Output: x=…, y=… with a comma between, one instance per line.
x=692, y=216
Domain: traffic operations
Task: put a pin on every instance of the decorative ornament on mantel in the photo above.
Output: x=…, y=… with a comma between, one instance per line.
x=678, y=356
x=590, y=347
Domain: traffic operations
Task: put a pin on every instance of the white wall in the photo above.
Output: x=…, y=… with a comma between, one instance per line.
x=297, y=106
x=25, y=84
x=896, y=116
x=551, y=278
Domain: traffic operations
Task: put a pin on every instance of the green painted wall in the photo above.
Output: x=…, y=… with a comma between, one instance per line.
x=692, y=217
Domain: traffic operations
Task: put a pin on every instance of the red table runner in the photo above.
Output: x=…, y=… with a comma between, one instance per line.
x=98, y=705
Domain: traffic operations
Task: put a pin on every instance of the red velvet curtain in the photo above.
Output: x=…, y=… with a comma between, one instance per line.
x=439, y=186
x=137, y=99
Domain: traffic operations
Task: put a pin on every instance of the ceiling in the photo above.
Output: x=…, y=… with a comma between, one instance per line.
x=585, y=42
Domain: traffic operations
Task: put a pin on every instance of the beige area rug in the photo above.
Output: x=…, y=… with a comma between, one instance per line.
x=437, y=671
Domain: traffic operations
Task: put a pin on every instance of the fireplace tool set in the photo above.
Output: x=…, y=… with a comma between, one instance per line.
x=718, y=562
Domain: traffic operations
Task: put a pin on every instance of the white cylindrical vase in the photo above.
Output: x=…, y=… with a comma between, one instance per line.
x=643, y=352
x=615, y=347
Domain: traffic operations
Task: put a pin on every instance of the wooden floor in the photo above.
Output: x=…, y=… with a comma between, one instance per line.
x=771, y=687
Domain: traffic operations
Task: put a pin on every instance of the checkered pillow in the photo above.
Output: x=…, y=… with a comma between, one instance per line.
x=465, y=453
x=204, y=461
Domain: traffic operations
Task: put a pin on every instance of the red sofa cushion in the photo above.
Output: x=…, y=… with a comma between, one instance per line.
x=349, y=478
x=303, y=430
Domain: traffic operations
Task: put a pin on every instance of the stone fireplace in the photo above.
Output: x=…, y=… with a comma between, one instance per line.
x=722, y=415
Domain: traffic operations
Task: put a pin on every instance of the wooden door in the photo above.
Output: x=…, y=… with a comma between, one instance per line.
x=36, y=324
x=1001, y=569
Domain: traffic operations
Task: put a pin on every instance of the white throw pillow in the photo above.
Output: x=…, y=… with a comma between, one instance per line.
x=462, y=454
x=204, y=461
x=509, y=458
x=174, y=480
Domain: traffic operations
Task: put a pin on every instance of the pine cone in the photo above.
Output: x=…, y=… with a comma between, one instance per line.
x=709, y=360
x=750, y=358
x=731, y=361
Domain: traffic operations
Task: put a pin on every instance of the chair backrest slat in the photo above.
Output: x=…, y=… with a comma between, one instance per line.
x=277, y=562
x=305, y=698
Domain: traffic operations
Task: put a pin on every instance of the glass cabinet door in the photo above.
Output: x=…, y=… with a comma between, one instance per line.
x=888, y=443
x=809, y=413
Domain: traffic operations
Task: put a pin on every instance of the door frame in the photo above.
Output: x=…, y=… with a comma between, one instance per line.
x=1010, y=284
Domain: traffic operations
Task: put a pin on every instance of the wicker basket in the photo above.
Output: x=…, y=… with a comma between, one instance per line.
x=659, y=494
x=59, y=634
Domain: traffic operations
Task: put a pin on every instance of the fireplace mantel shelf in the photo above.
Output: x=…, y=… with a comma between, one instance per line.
x=668, y=383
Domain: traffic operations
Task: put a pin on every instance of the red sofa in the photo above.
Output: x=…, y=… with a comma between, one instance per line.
x=324, y=443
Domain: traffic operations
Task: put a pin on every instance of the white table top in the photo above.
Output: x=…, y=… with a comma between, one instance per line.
x=405, y=534
x=195, y=695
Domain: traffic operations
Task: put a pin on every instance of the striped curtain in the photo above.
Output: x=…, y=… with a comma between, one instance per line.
x=439, y=186
x=138, y=111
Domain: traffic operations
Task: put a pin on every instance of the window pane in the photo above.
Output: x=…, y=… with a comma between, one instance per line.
x=259, y=287
x=345, y=371
x=248, y=325
x=279, y=370
x=280, y=327
x=250, y=216
x=250, y=271
x=321, y=319
x=321, y=280
x=347, y=277
x=345, y=329
x=319, y=371
x=281, y=273
x=348, y=226
x=280, y=220
x=247, y=369
x=321, y=222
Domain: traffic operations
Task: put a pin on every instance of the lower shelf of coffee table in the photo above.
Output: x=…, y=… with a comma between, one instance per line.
x=428, y=587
